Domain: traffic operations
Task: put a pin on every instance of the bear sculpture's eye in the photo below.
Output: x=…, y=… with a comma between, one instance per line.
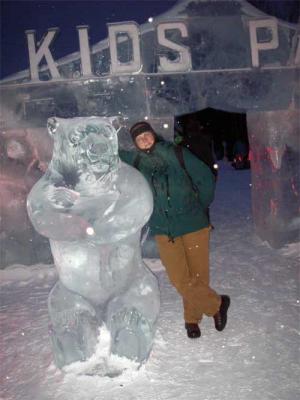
x=92, y=129
x=76, y=135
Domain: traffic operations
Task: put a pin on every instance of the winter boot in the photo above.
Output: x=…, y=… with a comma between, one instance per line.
x=192, y=330
x=220, y=317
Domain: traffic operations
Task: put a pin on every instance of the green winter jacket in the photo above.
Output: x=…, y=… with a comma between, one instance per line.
x=178, y=207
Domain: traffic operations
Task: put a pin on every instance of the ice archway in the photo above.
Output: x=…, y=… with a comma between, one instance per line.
x=236, y=59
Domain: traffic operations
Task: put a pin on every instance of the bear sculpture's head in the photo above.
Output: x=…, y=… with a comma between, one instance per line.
x=85, y=150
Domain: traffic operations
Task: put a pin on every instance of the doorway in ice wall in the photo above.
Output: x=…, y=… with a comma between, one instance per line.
x=214, y=135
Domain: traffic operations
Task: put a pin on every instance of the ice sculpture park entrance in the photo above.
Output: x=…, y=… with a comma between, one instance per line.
x=224, y=55
x=275, y=201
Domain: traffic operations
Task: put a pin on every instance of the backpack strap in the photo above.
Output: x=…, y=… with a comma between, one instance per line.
x=179, y=154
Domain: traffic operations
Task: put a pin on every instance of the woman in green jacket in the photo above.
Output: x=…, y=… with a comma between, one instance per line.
x=182, y=192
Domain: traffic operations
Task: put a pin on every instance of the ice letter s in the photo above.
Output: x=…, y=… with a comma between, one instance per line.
x=184, y=63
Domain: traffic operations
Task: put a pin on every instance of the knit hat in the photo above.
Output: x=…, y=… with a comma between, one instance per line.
x=139, y=128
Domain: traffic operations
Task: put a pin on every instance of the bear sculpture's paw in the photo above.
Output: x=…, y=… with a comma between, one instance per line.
x=131, y=335
x=75, y=341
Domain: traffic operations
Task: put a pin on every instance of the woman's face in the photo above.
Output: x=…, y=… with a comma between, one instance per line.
x=145, y=140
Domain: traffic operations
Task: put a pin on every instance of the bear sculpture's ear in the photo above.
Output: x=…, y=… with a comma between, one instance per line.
x=52, y=125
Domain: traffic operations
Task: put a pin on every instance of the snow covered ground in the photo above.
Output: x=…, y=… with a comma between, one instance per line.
x=255, y=358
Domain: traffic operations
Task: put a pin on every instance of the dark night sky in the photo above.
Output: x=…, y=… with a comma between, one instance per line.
x=18, y=16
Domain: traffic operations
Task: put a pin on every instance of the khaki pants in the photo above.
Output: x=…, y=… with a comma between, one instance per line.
x=187, y=264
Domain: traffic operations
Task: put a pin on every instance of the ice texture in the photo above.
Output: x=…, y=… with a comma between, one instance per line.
x=92, y=207
x=275, y=161
x=23, y=159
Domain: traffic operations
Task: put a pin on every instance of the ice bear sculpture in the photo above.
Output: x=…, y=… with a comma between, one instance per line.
x=92, y=208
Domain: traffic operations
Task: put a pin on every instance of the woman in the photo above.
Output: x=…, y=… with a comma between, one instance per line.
x=180, y=223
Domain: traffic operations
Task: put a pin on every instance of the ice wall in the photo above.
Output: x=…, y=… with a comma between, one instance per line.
x=24, y=157
x=234, y=65
x=275, y=161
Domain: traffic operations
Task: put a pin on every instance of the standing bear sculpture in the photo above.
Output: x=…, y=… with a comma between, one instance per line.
x=92, y=208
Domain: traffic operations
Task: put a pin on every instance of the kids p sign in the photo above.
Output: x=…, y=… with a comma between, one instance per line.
x=130, y=32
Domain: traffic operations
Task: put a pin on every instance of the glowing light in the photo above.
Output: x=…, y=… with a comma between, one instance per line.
x=90, y=231
x=166, y=126
x=215, y=166
x=150, y=19
x=162, y=83
x=146, y=118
